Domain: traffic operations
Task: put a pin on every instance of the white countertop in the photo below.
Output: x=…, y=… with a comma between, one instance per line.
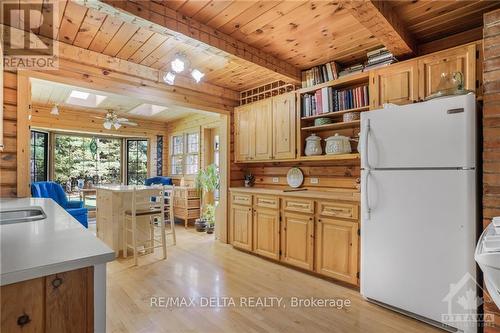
x=125, y=188
x=55, y=244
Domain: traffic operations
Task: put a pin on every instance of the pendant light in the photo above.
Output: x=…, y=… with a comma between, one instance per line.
x=55, y=110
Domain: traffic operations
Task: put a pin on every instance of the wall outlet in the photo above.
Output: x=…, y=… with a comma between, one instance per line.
x=276, y=180
x=314, y=180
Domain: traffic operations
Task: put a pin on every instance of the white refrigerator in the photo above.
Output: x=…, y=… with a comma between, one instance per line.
x=418, y=206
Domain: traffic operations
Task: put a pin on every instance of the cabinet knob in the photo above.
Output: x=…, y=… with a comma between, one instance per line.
x=23, y=320
x=310, y=219
x=56, y=283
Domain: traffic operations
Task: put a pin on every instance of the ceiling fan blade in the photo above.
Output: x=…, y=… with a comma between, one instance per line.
x=122, y=119
x=130, y=123
x=98, y=117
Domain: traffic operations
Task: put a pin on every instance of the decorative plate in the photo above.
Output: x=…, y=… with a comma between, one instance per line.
x=294, y=177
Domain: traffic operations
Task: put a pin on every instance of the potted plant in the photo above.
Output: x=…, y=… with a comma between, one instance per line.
x=249, y=179
x=207, y=181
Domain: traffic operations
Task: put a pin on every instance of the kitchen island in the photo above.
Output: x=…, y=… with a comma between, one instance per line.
x=53, y=272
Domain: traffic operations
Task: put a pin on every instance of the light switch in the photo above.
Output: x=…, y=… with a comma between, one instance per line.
x=314, y=180
x=276, y=180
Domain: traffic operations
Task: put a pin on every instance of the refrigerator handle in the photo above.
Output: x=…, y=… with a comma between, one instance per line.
x=366, y=196
x=364, y=146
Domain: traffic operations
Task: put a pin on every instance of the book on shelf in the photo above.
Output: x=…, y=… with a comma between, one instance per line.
x=320, y=74
x=379, y=58
x=355, y=69
x=328, y=99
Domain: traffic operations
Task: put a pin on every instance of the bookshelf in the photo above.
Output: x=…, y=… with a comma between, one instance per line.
x=350, y=129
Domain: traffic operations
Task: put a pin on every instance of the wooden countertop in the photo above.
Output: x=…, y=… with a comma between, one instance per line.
x=332, y=194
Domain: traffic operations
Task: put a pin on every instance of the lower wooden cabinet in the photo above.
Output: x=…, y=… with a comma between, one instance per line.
x=337, y=249
x=266, y=232
x=241, y=217
x=297, y=240
x=62, y=302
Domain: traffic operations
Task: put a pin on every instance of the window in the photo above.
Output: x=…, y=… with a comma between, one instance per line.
x=39, y=154
x=94, y=159
x=193, y=148
x=137, y=161
x=185, y=149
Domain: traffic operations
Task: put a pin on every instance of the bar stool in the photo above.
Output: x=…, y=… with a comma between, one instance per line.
x=169, y=210
x=144, y=207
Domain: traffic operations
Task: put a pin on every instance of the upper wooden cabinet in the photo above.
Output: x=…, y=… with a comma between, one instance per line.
x=460, y=59
x=284, y=130
x=244, y=133
x=263, y=115
x=396, y=84
x=265, y=130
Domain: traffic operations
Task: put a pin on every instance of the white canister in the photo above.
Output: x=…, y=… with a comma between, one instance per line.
x=313, y=145
x=337, y=144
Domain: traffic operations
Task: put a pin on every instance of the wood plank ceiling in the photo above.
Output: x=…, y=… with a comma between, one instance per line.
x=300, y=32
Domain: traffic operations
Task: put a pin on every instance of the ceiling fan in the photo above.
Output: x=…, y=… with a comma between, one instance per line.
x=112, y=120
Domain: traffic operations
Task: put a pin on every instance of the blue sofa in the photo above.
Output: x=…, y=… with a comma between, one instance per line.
x=55, y=192
x=158, y=180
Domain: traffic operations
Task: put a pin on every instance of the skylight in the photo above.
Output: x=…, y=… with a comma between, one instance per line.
x=148, y=109
x=82, y=98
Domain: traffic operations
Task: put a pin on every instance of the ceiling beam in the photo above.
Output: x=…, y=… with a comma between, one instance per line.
x=383, y=22
x=166, y=21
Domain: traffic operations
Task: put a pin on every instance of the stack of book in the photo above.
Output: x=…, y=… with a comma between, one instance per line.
x=358, y=68
x=320, y=74
x=327, y=100
x=378, y=58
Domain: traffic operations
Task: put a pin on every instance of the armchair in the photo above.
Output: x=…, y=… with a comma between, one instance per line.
x=55, y=192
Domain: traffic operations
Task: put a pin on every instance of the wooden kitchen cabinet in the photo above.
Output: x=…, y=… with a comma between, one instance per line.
x=284, y=130
x=459, y=59
x=397, y=83
x=23, y=306
x=297, y=240
x=62, y=302
x=266, y=232
x=337, y=249
x=244, y=133
x=241, y=218
x=263, y=117
x=265, y=130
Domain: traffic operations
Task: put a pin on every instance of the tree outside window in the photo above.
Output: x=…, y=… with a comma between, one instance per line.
x=137, y=161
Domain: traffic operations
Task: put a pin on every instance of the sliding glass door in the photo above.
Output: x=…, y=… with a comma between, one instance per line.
x=137, y=161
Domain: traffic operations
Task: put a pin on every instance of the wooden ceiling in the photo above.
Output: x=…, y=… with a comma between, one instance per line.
x=47, y=93
x=243, y=44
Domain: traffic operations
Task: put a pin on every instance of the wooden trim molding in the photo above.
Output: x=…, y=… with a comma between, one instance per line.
x=166, y=21
x=378, y=17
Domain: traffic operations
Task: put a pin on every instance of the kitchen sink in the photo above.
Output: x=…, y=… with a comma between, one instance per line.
x=19, y=215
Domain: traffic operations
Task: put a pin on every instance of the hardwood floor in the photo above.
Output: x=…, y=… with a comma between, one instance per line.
x=201, y=267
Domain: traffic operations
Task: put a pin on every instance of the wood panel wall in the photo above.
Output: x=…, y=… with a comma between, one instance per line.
x=491, y=133
x=8, y=157
x=190, y=124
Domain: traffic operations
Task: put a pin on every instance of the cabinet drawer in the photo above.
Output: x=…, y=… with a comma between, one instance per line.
x=298, y=205
x=241, y=199
x=266, y=202
x=336, y=209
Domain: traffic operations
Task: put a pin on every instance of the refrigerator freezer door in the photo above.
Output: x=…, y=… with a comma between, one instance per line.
x=418, y=239
x=439, y=133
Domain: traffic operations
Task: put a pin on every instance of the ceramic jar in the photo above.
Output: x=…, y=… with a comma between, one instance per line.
x=313, y=145
x=337, y=144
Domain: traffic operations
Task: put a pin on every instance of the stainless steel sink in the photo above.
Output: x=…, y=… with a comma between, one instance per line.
x=19, y=215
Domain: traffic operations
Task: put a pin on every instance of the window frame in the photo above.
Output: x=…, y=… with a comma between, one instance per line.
x=137, y=162
x=185, y=154
x=33, y=177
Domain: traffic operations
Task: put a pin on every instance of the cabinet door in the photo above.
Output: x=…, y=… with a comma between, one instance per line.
x=266, y=232
x=263, y=118
x=69, y=301
x=396, y=84
x=297, y=241
x=244, y=133
x=23, y=306
x=461, y=59
x=337, y=249
x=284, y=130
x=241, y=218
